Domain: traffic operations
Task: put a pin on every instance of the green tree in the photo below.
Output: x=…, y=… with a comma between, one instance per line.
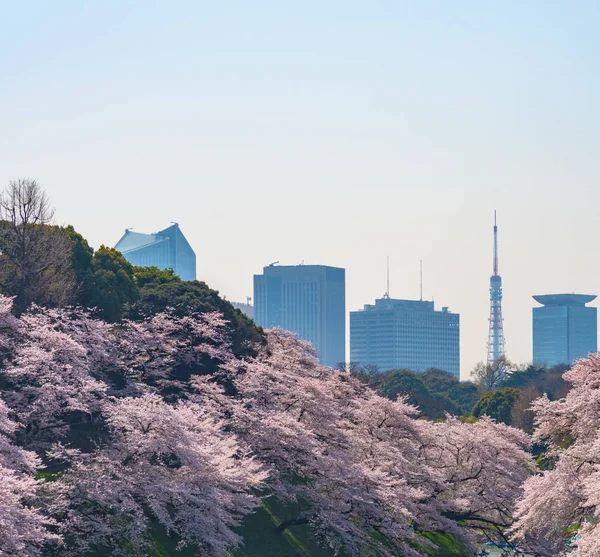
x=463, y=394
x=548, y=381
x=522, y=378
x=82, y=255
x=403, y=381
x=153, y=276
x=406, y=382
x=161, y=290
x=497, y=404
x=110, y=286
x=438, y=380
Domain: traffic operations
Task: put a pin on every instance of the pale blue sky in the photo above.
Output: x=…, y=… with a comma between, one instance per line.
x=329, y=132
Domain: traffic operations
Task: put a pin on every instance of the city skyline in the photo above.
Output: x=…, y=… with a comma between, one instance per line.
x=249, y=309
x=331, y=133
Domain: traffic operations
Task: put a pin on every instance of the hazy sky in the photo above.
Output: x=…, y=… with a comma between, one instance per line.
x=325, y=132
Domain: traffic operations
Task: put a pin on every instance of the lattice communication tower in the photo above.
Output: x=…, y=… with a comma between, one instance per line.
x=495, y=345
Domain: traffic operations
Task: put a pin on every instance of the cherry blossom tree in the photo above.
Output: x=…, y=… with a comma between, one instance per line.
x=165, y=351
x=158, y=424
x=23, y=527
x=479, y=469
x=147, y=461
x=564, y=500
x=169, y=463
x=355, y=464
x=307, y=423
x=50, y=373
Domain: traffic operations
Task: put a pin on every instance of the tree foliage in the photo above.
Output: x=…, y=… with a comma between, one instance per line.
x=110, y=285
x=411, y=385
x=159, y=423
x=564, y=501
x=409, y=468
x=550, y=382
x=81, y=260
x=497, y=405
x=24, y=529
x=161, y=290
x=435, y=392
x=463, y=394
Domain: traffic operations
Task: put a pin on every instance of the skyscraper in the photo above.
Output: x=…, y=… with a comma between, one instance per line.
x=405, y=334
x=564, y=328
x=308, y=300
x=495, y=345
x=167, y=249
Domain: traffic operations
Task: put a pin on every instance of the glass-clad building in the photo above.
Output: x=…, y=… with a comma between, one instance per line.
x=309, y=300
x=564, y=328
x=405, y=334
x=167, y=249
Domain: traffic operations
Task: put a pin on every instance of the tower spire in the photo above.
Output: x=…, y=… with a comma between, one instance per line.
x=495, y=246
x=421, y=274
x=387, y=289
x=495, y=345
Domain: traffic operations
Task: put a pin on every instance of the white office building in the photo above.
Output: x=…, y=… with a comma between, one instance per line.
x=405, y=334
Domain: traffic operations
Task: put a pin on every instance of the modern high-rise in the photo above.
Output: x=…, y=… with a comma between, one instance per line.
x=405, y=334
x=167, y=249
x=309, y=300
x=564, y=328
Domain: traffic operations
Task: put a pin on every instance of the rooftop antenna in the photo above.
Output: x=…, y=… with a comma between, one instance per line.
x=388, y=276
x=495, y=246
x=387, y=290
x=421, y=269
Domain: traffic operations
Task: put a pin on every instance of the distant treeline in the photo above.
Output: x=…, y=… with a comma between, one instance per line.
x=437, y=393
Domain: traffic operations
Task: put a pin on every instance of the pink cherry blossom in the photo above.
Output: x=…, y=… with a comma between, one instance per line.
x=23, y=527
x=565, y=499
x=158, y=424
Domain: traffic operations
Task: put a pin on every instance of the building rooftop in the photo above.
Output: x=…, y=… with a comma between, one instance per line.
x=136, y=240
x=300, y=266
x=564, y=299
x=390, y=303
x=408, y=305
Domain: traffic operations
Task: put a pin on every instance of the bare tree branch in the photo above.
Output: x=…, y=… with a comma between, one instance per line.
x=489, y=375
x=35, y=256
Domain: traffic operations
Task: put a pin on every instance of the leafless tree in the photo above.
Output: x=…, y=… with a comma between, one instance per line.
x=489, y=375
x=367, y=373
x=35, y=257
